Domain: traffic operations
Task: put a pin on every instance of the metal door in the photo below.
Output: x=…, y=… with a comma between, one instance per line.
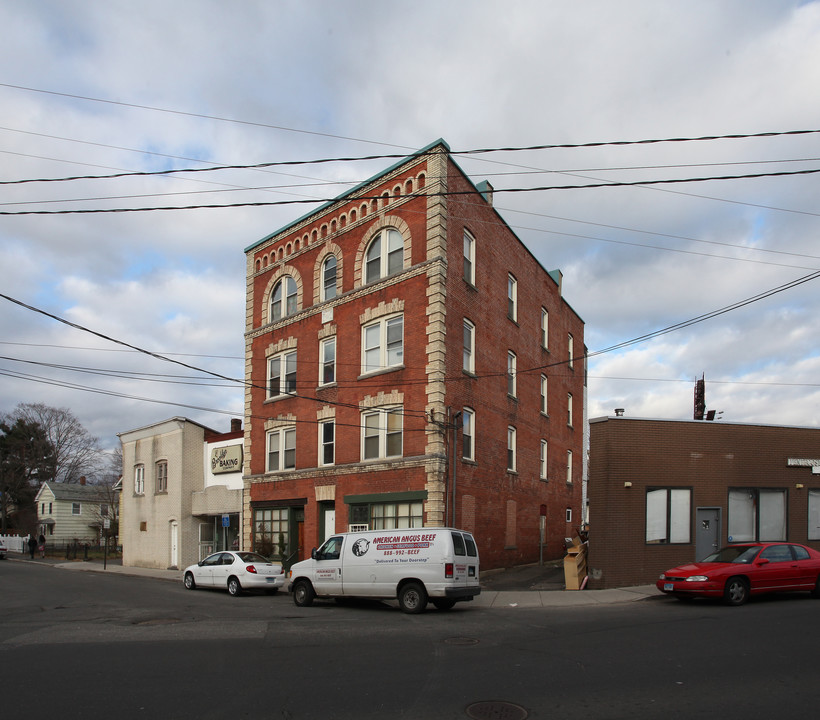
x=707, y=532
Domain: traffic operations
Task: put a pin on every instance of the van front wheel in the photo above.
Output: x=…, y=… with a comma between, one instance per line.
x=303, y=593
x=412, y=598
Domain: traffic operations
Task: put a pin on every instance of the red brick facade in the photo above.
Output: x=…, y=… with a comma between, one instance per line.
x=755, y=481
x=401, y=461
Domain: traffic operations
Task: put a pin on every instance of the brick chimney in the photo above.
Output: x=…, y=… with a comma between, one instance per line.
x=236, y=425
x=82, y=480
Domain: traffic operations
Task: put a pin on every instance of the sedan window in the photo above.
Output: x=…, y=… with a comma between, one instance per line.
x=777, y=553
x=227, y=559
x=800, y=553
x=734, y=554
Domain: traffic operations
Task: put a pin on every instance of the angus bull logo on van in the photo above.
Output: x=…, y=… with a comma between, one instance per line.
x=360, y=547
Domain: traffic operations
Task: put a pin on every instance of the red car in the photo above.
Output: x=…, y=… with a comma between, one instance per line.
x=738, y=571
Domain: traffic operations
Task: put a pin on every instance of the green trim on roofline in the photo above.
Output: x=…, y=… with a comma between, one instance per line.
x=350, y=192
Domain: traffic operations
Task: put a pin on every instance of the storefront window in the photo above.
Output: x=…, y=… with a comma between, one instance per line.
x=270, y=531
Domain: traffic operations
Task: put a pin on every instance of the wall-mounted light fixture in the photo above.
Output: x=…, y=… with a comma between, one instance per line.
x=799, y=486
x=627, y=484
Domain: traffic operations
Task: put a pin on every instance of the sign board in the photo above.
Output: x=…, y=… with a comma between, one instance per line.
x=227, y=459
x=226, y=521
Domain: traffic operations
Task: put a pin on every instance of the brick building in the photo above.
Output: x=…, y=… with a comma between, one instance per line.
x=409, y=363
x=667, y=492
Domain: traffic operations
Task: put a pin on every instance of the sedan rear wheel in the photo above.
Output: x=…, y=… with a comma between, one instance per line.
x=189, y=581
x=736, y=591
x=234, y=587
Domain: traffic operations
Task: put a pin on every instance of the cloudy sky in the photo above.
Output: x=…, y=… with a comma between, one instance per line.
x=92, y=88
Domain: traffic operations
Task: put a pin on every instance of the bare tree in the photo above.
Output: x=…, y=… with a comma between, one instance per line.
x=78, y=453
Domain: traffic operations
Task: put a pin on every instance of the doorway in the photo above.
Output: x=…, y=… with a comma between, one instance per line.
x=707, y=532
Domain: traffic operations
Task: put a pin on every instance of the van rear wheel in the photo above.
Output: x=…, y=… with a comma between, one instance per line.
x=412, y=598
x=444, y=603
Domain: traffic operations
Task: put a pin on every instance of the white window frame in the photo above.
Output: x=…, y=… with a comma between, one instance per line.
x=382, y=328
x=570, y=351
x=543, y=459
x=327, y=346
x=512, y=454
x=284, y=359
x=383, y=425
x=395, y=249
x=469, y=258
x=512, y=374
x=544, y=394
x=329, y=290
x=569, y=467
x=76, y=508
x=288, y=302
x=326, y=444
x=468, y=434
x=161, y=476
x=545, y=328
x=139, y=479
x=468, y=357
x=569, y=410
x=286, y=446
x=512, y=297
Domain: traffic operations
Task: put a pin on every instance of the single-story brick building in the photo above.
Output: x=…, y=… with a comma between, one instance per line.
x=665, y=492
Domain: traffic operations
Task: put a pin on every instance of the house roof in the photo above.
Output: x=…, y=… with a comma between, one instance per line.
x=73, y=491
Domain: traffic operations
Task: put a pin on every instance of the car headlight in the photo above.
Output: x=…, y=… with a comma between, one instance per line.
x=697, y=578
x=663, y=576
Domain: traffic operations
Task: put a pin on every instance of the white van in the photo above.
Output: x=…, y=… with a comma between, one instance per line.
x=413, y=565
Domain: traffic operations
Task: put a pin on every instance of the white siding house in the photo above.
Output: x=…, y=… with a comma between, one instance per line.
x=68, y=512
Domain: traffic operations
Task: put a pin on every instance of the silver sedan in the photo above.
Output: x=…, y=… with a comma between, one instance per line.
x=235, y=572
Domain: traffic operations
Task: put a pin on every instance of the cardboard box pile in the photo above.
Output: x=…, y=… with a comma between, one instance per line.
x=575, y=564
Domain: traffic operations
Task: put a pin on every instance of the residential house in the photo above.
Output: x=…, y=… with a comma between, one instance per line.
x=411, y=364
x=667, y=492
x=181, y=496
x=72, y=512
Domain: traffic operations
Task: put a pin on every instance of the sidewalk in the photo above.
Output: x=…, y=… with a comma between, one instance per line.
x=528, y=586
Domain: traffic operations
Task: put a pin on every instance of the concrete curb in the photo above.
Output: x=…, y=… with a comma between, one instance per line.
x=495, y=599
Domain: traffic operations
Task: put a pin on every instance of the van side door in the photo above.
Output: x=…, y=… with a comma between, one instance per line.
x=328, y=569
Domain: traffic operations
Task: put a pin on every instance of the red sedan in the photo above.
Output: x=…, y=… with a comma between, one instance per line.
x=739, y=571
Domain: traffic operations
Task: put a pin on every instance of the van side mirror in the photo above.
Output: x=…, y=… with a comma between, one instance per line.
x=313, y=554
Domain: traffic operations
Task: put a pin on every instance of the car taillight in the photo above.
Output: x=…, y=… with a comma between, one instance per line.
x=250, y=569
x=448, y=570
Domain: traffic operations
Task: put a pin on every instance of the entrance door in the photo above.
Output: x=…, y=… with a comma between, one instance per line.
x=707, y=532
x=330, y=523
x=174, y=545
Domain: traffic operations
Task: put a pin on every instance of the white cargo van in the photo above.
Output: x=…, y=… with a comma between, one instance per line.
x=413, y=565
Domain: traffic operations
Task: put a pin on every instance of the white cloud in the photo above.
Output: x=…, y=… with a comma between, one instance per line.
x=480, y=75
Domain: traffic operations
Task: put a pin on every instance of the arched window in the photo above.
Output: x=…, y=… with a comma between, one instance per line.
x=329, y=278
x=385, y=255
x=283, y=299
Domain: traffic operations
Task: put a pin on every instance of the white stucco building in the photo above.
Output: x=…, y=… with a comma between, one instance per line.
x=181, y=492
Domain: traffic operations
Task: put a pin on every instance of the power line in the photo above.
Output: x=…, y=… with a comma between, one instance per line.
x=394, y=156
x=416, y=195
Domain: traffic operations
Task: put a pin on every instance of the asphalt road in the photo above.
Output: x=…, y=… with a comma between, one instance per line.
x=91, y=645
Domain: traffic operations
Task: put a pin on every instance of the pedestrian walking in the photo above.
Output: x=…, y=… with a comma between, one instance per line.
x=32, y=545
x=42, y=547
